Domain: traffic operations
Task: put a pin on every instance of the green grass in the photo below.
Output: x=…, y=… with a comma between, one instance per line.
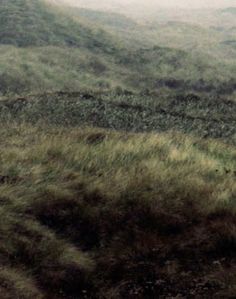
x=117, y=161
x=43, y=48
x=55, y=68
x=89, y=211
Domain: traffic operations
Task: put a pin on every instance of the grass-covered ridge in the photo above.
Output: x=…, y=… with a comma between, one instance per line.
x=44, y=47
x=55, y=68
x=98, y=214
x=27, y=23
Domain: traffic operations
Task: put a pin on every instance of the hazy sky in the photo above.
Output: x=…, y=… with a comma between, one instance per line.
x=198, y=3
x=182, y=3
x=165, y=3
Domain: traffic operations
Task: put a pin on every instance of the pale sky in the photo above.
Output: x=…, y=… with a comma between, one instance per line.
x=163, y=3
x=181, y=3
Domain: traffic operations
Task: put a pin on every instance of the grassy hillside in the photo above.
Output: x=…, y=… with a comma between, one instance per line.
x=46, y=48
x=54, y=68
x=33, y=23
x=89, y=213
x=118, y=158
x=198, y=31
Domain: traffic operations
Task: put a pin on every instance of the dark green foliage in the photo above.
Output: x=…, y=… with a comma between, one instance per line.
x=204, y=116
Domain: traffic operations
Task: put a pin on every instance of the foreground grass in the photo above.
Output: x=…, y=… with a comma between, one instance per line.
x=90, y=213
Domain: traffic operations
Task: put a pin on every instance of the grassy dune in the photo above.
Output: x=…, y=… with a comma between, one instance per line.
x=91, y=213
x=49, y=68
x=34, y=23
x=112, y=185
x=44, y=47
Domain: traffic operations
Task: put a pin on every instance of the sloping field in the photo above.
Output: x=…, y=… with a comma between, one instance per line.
x=91, y=213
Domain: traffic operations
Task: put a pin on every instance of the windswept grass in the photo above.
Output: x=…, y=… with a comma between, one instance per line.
x=86, y=212
x=99, y=214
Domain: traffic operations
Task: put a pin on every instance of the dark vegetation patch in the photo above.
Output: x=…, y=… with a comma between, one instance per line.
x=95, y=138
x=201, y=115
x=6, y=179
x=140, y=251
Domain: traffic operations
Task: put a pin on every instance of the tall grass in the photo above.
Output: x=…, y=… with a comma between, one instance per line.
x=85, y=210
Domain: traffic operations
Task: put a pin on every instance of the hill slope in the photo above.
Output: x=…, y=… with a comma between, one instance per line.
x=46, y=48
x=88, y=213
x=33, y=23
x=56, y=68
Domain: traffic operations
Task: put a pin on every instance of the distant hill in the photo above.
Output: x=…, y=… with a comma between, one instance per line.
x=48, y=47
x=231, y=10
x=116, y=20
x=32, y=23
